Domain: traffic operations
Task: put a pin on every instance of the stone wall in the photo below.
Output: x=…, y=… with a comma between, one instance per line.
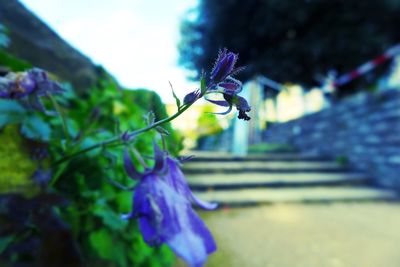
x=364, y=130
x=32, y=40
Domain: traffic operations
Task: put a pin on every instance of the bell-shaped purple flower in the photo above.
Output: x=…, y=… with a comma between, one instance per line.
x=162, y=203
x=176, y=180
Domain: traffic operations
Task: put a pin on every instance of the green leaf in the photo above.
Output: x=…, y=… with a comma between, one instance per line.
x=4, y=242
x=124, y=201
x=15, y=64
x=203, y=86
x=103, y=243
x=33, y=127
x=150, y=118
x=110, y=218
x=11, y=112
x=162, y=131
x=178, y=101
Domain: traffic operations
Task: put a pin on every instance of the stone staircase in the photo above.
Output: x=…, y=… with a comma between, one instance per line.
x=276, y=178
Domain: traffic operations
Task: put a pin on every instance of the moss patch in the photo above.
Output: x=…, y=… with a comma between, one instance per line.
x=16, y=166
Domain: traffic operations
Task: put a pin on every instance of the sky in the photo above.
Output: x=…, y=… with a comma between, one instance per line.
x=135, y=40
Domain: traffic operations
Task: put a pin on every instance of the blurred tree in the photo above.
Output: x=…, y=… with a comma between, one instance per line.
x=208, y=123
x=290, y=41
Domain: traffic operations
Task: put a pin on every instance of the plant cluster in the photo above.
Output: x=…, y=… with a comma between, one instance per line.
x=99, y=169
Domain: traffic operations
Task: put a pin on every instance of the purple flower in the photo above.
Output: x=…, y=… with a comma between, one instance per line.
x=28, y=87
x=224, y=66
x=16, y=85
x=41, y=177
x=162, y=202
x=176, y=179
x=233, y=100
x=221, y=81
x=34, y=81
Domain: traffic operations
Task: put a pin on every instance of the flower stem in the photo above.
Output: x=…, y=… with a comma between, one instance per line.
x=62, y=117
x=116, y=141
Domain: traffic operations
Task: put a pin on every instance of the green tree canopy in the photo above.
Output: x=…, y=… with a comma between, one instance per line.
x=290, y=41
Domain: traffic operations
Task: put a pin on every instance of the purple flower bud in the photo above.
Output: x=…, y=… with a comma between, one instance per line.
x=94, y=115
x=242, y=106
x=224, y=66
x=42, y=177
x=125, y=137
x=191, y=97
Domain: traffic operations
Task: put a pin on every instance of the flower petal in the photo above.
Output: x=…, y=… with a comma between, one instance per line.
x=221, y=103
x=159, y=158
x=223, y=66
x=203, y=204
x=243, y=107
x=194, y=242
x=176, y=179
x=230, y=87
x=148, y=213
x=225, y=112
x=241, y=104
x=129, y=167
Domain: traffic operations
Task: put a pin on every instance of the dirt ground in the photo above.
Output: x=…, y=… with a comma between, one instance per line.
x=307, y=235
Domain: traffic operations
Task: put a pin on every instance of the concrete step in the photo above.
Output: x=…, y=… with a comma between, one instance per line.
x=284, y=195
x=261, y=166
x=215, y=156
x=243, y=180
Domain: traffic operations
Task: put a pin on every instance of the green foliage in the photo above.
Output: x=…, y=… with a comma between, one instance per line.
x=94, y=213
x=149, y=100
x=12, y=62
x=94, y=204
x=8, y=60
x=177, y=100
x=36, y=128
x=203, y=86
x=342, y=160
x=290, y=41
x=208, y=123
x=270, y=147
x=11, y=112
x=32, y=125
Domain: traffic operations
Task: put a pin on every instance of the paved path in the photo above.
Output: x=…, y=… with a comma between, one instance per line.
x=301, y=235
x=348, y=224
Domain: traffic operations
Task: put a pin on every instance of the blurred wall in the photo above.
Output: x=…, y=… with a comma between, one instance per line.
x=33, y=41
x=364, y=129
